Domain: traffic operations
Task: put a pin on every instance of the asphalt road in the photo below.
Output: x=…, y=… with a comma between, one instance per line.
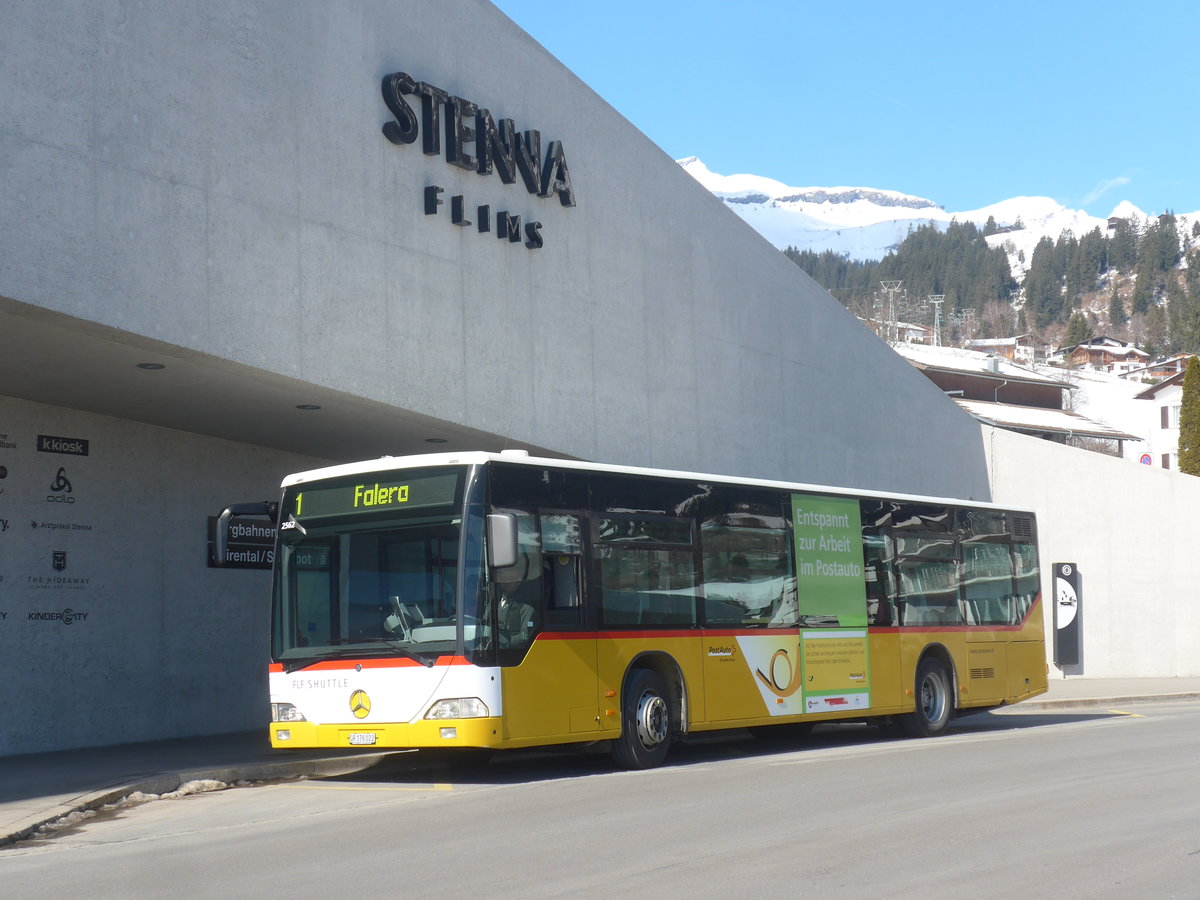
x=1092, y=804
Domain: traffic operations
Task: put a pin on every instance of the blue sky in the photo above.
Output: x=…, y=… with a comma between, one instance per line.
x=964, y=104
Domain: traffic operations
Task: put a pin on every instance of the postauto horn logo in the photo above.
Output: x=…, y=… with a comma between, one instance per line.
x=360, y=704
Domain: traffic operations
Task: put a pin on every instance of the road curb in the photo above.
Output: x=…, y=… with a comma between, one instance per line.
x=1093, y=702
x=166, y=782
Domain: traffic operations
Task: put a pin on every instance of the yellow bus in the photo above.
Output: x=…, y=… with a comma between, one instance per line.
x=497, y=600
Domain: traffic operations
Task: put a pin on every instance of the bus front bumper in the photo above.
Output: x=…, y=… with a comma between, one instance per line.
x=428, y=733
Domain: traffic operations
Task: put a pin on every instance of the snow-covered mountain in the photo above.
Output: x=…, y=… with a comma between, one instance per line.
x=864, y=223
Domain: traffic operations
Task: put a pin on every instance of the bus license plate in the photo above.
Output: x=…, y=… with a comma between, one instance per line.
x=360, y=739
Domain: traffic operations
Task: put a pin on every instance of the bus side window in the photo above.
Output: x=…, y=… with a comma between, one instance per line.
x=927, y=564
x=1027, y=578
x=517, y=593
x=747, y=572
x=646, y=570
x=987, y=577
x=928, y=592
x=877, y=567
x=561, y=549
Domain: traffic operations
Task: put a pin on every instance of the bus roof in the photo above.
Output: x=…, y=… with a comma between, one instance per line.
x=522, y=457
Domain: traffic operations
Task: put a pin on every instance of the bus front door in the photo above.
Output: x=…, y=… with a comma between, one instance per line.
x=549, y=675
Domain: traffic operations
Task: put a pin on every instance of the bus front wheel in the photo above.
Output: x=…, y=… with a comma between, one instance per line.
x=645, y=722
x=933, y=701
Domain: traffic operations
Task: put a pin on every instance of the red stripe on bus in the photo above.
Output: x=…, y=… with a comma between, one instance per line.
x=644, y=634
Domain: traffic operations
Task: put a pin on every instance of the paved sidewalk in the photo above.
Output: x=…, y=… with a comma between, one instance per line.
x=1063, y=692
x=40, y=788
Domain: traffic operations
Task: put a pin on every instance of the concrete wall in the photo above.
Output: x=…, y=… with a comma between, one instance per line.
x=1127, y=528
x=134, y=638
x=214, y=176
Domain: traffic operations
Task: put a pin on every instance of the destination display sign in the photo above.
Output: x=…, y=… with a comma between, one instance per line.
x=374, y=492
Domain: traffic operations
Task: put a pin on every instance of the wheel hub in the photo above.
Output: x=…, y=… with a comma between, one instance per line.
x=652, y=720
x=932, y=698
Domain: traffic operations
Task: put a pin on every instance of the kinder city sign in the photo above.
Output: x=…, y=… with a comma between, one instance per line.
x=472, y=139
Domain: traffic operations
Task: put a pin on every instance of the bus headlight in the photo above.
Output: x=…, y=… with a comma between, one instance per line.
x=286, y=712
x=458, y=708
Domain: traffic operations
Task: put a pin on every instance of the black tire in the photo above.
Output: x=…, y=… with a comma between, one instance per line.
x=790, y=731
x=646, y=722
x=934, y=703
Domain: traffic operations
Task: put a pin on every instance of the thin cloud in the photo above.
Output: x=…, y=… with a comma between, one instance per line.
x=1103, y=188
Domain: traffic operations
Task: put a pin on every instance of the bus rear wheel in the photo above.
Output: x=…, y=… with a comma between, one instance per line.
x=932, y=714
x=645, y=722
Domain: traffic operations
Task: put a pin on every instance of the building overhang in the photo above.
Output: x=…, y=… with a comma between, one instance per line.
x=1038, y=420
x=49, y=357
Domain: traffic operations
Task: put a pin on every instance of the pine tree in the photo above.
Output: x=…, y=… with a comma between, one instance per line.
x=1116, y=310
x=1145, y=289
x=1189, y=421
x=1089, y=263
x=1191, y=277
x=1183, y=318
x=1078, y=331
x=1123, y=245
x=1043, y=289
x=1155, y=340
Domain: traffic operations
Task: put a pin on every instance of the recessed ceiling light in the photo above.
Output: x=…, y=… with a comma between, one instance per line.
x=307, y=407
x=151, y=367
x=435, y=440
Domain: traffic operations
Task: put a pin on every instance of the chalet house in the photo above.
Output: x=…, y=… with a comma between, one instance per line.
x=1160, y=369
x=1018, y=349
x=998, y=392
x=1105, y=354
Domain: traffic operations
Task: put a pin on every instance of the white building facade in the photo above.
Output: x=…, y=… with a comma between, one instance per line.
x=1162, y=442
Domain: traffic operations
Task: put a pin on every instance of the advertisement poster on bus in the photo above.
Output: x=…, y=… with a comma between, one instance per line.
x=831, y=592
x=836, y=670
x=827, y=672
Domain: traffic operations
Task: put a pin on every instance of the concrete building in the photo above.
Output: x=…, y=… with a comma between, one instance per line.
x=241, y=239
x=218, y=192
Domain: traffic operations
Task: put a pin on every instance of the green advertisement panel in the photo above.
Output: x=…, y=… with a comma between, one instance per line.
x=829, y=560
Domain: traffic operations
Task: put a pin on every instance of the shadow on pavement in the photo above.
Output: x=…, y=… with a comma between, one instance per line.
x=555, y=763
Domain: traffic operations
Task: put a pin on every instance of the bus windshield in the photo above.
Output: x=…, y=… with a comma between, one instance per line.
x=350, y=583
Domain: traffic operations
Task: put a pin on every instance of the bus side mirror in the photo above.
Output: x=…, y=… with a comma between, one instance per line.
x=502, y=540
x=267, y=508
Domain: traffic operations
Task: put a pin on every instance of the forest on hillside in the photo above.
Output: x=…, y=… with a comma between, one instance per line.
x=1133, y=282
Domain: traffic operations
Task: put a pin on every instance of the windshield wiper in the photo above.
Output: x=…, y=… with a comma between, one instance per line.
x=296, y=665
x=399, y=648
